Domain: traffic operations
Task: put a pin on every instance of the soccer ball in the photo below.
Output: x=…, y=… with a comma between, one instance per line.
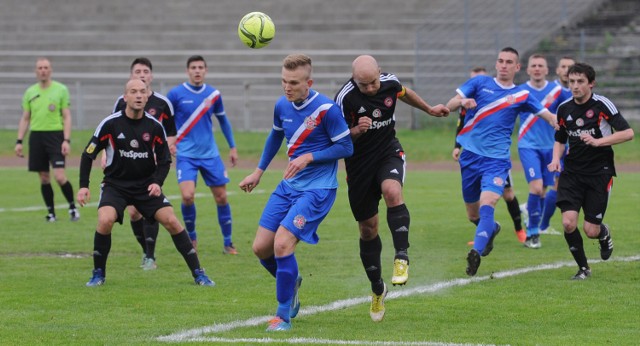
x=256, y=30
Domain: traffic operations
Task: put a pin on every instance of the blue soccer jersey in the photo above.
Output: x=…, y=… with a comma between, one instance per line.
x=194, y=109
x=488, y=132
x=535, y=133
x=311, y=127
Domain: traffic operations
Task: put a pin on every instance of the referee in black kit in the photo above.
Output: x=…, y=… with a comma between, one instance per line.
x=138, y=161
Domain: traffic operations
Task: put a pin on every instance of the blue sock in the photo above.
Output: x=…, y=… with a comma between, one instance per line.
x=485, y=228
x=548, y=209
x=224, y=219
x=286, y=276
x=270, y=265
x=189, y=217
x=535, y=213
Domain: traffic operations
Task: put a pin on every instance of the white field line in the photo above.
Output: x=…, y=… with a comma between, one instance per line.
x=95, y=204
x=196, y=334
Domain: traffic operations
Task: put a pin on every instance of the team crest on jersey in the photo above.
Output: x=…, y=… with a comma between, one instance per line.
x=146, y=137
x=580, y=122
x=589, y=114
x=310, y=123
x=376, y=113
x=388, y=102
x=497, y=181
x=299, y=221
x=152, y=111
x=52, y=107
x=91, y=148
x=134, y=143
x=511, y=99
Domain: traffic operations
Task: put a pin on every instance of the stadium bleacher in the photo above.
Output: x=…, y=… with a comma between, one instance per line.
x=92, y=43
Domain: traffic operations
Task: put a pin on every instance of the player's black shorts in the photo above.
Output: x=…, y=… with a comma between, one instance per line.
x=365, y=186
x=589, y=192
x=45, y=147
x=120, y=198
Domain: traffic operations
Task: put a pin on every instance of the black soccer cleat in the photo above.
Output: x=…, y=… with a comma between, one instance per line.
x=473, y=262
x=582, y=274
x=606, y=244
x=487, y=249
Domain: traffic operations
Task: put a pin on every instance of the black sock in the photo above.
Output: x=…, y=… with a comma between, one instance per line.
x=185, y=248
x=67, y=191
x=398, y=220
x=604, y=232
x=150, y=229
x=574, y=240
x=47, y=195
x=370, y=255
x=137, y=227
x=514, y=211
x=101, y=248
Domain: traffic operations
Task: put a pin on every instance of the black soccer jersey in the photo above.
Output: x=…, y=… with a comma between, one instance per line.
x=137, y=151
x=597, y=117
x=381, y=136
x=159, y=107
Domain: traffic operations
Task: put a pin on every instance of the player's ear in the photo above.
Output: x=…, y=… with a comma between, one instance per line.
x=309, y=82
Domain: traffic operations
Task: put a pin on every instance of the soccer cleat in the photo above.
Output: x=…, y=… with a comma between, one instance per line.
x=606, y=244
x=229, y=250
x=74, y=214
x=295, y=301
x=400, y=272
x=149, y=264
x=50, y=218
x=97, y=279
x=487, y=249
x=522, y=235
x=277, y=324
x=582, y=274
x=376, y=311
x=473, y=262
x=533, y=242
x=202, y=279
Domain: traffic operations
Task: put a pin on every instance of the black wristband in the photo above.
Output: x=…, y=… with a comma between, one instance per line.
x=18, y=141
x=68, y=141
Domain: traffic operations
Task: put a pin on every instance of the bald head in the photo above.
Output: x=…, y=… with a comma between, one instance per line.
x=135, y=95
x=366, y=74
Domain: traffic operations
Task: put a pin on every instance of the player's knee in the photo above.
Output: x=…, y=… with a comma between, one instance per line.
x=569, y=224
x=591, y=230
x=134, y=214
x=188, y=199
x=105, y=223
x=261, y=251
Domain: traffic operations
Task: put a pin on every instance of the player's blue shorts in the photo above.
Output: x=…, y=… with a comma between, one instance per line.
x=534, y=162
x=481, y=173
x=300, y=212
x=212, y=170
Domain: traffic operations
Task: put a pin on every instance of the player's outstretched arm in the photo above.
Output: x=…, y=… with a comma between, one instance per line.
x=413, y=99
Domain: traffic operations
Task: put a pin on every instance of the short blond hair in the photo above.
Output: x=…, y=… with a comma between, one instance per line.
x=293, y=61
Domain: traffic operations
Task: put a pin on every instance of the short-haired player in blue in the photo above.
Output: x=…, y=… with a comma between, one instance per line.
x=317, y=137
x=535, y=144
x=195, y=103
x=486, y=138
